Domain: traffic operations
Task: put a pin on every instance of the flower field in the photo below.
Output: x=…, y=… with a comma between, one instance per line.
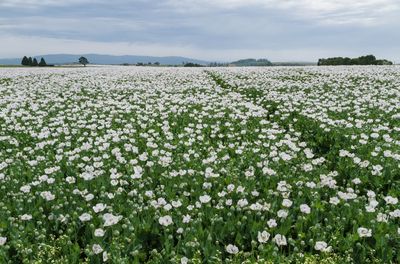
x=202, y=165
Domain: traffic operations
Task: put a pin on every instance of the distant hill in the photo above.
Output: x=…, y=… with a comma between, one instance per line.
x=107, y=59
x=294, y=63
x=266, y=62
x=252, y=62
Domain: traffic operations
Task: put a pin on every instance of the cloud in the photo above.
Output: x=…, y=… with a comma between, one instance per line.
x=21, y=4
x=363, y=12
x=42, y=45
x=210, y=29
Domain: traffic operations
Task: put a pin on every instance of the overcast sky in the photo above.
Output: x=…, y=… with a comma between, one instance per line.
x=224, y=30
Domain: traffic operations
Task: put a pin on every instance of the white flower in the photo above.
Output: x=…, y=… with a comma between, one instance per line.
x=184, y=260
x=149, y=194
x=311, y=185
x=70, y=180
x=26, y=217
x=395, y=213
x=205, y=198
x=186, y=219
x=268, y=171
x=282, y=213
x=3, y=240
x=305, y=209
x=280, y=240
x=87, y=176
x=391, y=200
x=48, y=196
x=110, y=219
x=138, y=172
x=165, y=220
x=99, y=207
x=356, y=181
x=371, y=194
x=242, y=203
x=287, y=203
x=99, y=232
x=263, y=236
x=85, y=217
x=382, y=218
x=232, y=249
x=25, y=189
x=89, y=197
x=334, y=200
x=256, y=207
x=105, y=256
x=322, y=246
x=176, y=204
x=272, y=223
x=364, y=232
x=97, y=249
x=167, y=207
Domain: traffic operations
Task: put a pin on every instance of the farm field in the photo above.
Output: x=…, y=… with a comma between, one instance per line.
x=200, y=165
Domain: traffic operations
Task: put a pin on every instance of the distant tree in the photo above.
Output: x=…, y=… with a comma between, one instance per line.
x=30, y=61
x=83, y=61
x=346, y=61
x=34, y=62
x=366, y=60
x=25, y=61
x=157, y=63
x=42, y=63
x=191, y=64
x=363, y=60
x=384, y=62
x=252, y=62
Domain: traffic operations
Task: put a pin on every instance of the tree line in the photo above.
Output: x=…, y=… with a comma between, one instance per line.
x=363, y=60
x=33, y=62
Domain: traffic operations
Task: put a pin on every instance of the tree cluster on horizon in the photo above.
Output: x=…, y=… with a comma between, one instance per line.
x=363, y=60
x=33, y=62
x=191, y=64
x=252, y=62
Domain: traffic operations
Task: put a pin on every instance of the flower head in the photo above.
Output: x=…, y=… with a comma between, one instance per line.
x=165, y=220
x=232, y=249
x=263, y=237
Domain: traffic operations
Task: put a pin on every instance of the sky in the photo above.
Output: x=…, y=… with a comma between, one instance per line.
x=214, y=30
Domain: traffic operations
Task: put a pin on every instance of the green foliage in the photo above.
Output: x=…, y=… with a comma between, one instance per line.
x=217, y=64
x=84, y=61
x=35, y=62
x=192, y=133
x=42, y=63
x=191, y=64
x=25, y=61
x=363, y=60
x=252, y=62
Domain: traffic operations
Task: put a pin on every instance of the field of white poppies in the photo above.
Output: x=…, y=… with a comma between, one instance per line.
x=203, y=165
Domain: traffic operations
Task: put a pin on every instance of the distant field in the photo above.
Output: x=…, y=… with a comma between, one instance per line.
x=11, y=66
x=200, y=165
